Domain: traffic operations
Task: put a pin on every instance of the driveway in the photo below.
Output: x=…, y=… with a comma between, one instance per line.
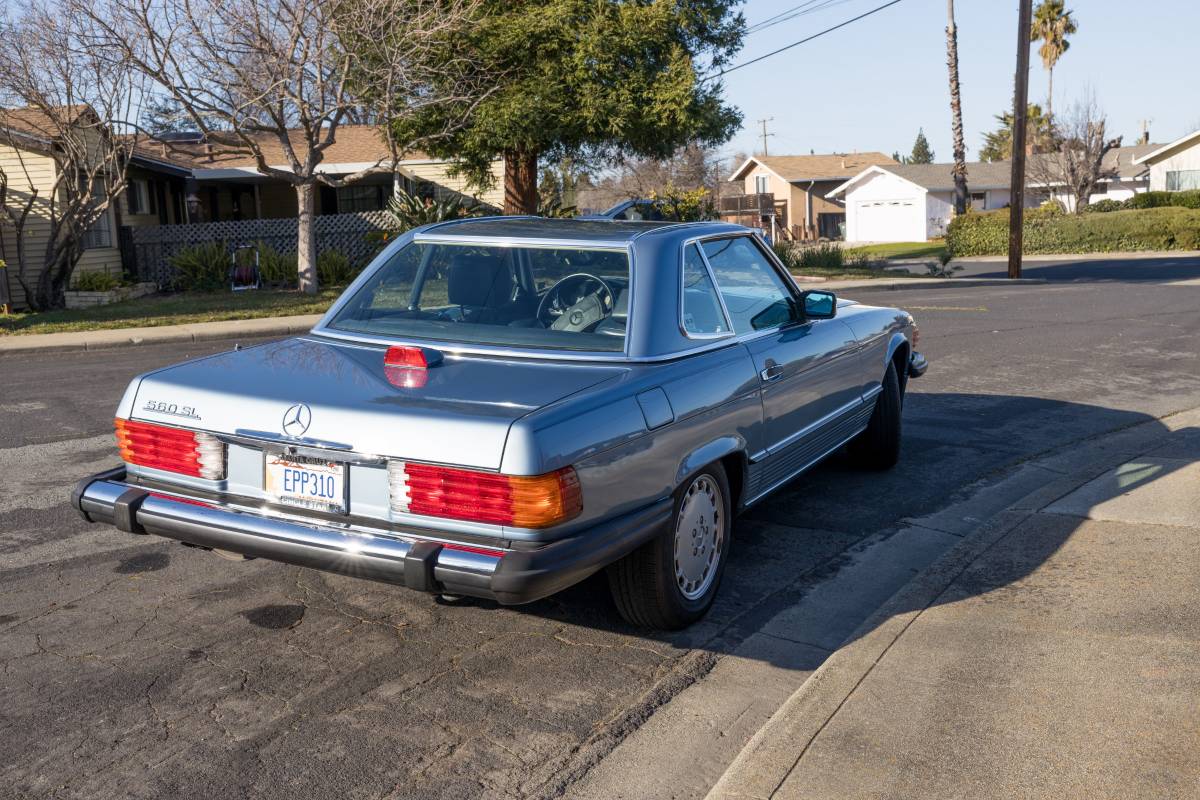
x=137, y=667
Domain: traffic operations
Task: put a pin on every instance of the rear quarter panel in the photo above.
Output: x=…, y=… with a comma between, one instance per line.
x=623, y=464
x=880, y=331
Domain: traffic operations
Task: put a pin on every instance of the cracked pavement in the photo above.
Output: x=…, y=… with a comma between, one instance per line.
x=136, y=667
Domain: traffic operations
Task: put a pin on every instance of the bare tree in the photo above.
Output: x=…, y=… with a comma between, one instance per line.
x=64, y=105
x=1077, y=164
x=261, y=78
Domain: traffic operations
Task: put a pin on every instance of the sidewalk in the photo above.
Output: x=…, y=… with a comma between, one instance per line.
x=129, y=337
x=1053, y=653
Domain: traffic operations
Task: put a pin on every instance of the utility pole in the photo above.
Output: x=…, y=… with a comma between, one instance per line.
x=764, y=122
x=1016, y=203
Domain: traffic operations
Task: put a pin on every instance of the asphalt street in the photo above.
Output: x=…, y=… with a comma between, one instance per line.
x=137, y=667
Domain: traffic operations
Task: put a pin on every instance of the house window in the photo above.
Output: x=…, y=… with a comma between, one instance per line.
x=761, y=184
x=1180, y=180
x=359, y=198
x=139, y=196
x=979, y=200
x=99, y=233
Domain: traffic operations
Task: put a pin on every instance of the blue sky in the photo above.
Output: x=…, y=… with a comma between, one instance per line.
x=872, y=84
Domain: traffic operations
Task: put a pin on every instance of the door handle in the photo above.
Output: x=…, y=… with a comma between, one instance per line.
x=773, y=372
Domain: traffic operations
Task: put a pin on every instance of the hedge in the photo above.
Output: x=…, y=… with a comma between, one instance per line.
x=1051, y=231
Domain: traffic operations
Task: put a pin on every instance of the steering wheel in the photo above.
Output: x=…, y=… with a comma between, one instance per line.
x=576, y=303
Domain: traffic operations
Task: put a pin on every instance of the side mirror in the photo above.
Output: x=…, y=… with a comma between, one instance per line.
x=819, y=305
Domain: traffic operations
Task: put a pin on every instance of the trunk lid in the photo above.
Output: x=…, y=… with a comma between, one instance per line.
x=460, y=416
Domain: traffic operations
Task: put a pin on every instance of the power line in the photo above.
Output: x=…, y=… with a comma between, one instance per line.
x=811, y=7
x=802, y=41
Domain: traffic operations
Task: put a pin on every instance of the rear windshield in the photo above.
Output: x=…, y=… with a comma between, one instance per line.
x=543, y=298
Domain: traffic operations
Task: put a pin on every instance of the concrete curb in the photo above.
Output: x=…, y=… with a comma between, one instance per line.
x=774, y=751
x=132, y=337
x=901, y=284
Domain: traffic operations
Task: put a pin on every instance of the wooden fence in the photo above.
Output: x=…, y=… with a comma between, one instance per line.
x=147, y=251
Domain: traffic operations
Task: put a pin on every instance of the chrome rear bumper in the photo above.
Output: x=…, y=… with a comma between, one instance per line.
x=517, y=576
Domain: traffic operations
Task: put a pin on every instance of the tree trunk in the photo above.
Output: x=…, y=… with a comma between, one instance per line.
x=520, y=182
x=306, y=243
x=1050, y=97
x=956, y=124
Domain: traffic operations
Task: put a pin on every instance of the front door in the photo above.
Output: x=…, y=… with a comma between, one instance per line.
x=808, y=370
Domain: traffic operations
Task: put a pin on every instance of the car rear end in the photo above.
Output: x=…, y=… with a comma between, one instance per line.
x=378, y=451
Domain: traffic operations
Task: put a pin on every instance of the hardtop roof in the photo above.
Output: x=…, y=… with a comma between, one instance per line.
x=591, y=231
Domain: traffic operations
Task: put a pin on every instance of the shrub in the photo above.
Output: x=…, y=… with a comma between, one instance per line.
x=276, y=270
x=96, y=282
x=335, y=269
x=1188, y=199
x=203, y=268
x=980, y=234
x=822, y=256
x=1103, y=206
x=410, y=211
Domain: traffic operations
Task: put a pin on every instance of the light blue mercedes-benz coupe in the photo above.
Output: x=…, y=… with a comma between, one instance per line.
x=500, y=407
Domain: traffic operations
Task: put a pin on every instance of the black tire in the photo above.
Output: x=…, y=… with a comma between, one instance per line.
x=644, y=584
x=878, y=447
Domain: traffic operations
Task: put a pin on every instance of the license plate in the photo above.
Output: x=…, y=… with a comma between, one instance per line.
x=311, y=483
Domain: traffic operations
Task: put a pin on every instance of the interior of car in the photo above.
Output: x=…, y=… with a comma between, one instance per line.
x=568, y=291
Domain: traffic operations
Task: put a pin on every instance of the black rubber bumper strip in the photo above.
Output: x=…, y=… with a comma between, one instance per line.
x=114, y=474
x=125, y=510
x=419, y=564
x=525, y=576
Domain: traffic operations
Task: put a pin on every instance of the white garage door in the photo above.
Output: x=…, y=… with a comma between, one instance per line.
x=888, y=221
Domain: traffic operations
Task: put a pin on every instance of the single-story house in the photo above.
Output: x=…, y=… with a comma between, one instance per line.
x=185, y=180
x=1174, y=167
x=915, y=202
x=1121, y=176
x=224, y=186
x=788, y=195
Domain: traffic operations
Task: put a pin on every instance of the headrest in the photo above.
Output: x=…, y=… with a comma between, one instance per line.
x=621, y=308
x=474, y=279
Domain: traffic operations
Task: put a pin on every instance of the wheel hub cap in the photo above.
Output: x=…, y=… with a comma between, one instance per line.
x=699, y=537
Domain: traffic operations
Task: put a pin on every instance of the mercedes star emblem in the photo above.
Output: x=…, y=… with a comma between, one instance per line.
x=297, y=419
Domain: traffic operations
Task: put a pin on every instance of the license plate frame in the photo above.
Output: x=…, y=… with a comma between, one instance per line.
x=330, y=492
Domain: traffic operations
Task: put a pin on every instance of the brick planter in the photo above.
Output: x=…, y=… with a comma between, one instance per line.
x=89, y=299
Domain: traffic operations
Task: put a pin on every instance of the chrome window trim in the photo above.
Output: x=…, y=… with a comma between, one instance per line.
x=789, y=284
x=721, y=300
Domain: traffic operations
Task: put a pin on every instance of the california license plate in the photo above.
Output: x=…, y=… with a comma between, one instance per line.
x=311, y=483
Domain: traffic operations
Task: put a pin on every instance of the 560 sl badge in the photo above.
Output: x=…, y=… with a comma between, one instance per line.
x=174, y=410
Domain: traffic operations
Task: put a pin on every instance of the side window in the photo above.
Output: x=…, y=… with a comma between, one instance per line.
x=701, y=309
x=753, y=291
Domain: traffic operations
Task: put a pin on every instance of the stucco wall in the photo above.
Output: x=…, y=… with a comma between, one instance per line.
x=1184, y=159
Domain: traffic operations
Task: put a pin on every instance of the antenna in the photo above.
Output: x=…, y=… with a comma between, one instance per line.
x=764, y=122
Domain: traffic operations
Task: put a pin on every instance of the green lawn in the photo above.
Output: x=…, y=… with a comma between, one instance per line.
x=851, y=273
x=903, y=249
x=171, y=309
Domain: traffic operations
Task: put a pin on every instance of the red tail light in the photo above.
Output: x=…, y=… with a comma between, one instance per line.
x=523, y=502
x=194, y=453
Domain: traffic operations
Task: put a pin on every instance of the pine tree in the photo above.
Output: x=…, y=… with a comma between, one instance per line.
x=921, y=154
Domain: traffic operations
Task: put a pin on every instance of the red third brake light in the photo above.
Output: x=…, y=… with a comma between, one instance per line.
x=405, y=356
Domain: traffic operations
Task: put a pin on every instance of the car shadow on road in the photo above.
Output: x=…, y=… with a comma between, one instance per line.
x=1168, y=268
x=822, y=539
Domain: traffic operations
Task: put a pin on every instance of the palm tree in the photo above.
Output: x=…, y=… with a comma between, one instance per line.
x=1052, y=23
x=956, y=124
